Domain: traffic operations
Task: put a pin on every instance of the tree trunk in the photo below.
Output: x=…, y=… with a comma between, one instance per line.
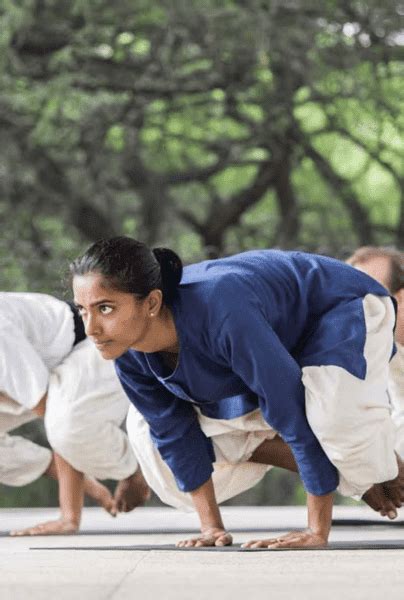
x=287, y=204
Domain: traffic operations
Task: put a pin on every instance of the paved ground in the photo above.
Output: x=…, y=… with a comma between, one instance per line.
x=41, y=573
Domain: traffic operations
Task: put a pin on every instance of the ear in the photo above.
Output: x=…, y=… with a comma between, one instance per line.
x=154, y=302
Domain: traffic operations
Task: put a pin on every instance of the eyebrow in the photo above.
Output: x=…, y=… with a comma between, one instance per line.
x=103, y=301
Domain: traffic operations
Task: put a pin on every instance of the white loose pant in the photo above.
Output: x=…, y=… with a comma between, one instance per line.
x=351, y=417
x=234, y=441
x=396, y=394
x=85, y=408
x=21, y=461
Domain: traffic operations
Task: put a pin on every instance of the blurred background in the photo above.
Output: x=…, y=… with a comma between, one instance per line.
x=208, y=126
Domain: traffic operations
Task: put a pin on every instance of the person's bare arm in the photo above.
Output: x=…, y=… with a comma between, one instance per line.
x=319, y=510
x=212, y=528
x=71, y=496
x=71, y=492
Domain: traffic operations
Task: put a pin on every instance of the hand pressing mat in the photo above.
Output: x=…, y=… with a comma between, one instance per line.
x=351, y=545
x=279, y=528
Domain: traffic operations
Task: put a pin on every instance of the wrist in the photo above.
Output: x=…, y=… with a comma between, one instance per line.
x=321, y=535
x=216, y=528
x=72, y=520
x=320, y=514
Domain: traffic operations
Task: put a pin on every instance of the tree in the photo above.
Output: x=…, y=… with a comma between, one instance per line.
x=142, y=117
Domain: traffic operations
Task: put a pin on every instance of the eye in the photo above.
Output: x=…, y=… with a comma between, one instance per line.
x=105, y=310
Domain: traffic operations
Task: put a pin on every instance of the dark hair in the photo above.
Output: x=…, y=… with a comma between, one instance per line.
x=396, y=258
x=131, y=266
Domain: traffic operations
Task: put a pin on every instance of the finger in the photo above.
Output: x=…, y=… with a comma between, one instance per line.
x=247, y=544
x=286, y=544
x=113, y=508
x=250, y=543
x=387, y=505
x=291, y=543
x=38, y=530
x=390, y=507
x=261, y=544
x=18, y=532
x=223, y=541
x=204, y=542
x=297, y=542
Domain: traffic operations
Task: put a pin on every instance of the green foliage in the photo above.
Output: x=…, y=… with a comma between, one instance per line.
x=42, y=492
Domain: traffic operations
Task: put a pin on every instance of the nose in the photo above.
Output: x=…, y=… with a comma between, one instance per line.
x=91, y=326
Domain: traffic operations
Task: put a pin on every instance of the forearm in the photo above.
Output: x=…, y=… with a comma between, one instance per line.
x=320, y=514
x=212, y=528
x=71, y=491
x=206, y=506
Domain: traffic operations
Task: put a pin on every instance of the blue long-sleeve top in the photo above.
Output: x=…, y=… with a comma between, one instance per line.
x=247, y=325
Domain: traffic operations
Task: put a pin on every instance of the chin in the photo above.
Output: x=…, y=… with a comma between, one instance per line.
x=110, y=353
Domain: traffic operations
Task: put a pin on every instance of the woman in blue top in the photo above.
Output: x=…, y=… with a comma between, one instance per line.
x=305, y=340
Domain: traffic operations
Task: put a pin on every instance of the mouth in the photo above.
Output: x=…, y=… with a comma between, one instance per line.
x=101, y=345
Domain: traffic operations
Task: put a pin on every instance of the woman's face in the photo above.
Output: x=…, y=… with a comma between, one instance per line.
x=114, y=320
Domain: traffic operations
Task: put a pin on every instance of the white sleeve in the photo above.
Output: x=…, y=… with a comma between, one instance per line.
x=396, y=393
x=23, y=374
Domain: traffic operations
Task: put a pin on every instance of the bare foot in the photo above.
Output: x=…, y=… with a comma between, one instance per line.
x=210, y=537
x=131, y=492
x=294, y=539
x=59, y=527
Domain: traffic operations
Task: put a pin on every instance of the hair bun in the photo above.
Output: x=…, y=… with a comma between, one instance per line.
x=171, y=270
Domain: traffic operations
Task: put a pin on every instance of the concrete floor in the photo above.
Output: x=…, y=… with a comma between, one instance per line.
x=41, y=573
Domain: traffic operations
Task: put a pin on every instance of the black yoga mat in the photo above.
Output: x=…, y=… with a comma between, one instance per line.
x=351, y=545
x=280, y=528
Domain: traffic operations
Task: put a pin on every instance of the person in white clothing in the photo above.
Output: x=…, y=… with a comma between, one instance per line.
x=386, y=265
x=49, y=369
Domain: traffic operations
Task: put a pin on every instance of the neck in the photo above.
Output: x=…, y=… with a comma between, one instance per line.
x=167, y=332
